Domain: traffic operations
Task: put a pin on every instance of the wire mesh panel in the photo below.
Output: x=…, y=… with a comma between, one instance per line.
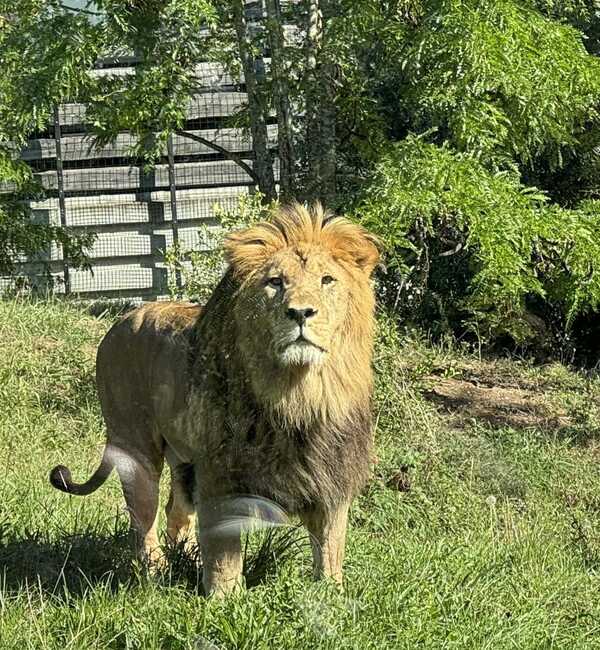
x=138, y=213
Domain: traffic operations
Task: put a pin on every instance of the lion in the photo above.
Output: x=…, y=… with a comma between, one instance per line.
x=264, y=391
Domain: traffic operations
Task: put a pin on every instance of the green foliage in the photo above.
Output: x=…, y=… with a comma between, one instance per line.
x=582, y=14
x=46, y=56
x=22, y=238
x=26, y=239
x=361, y=36
x=570, y=258
x=200, y=271
x=507, y=93
x=500, y=81
x=169, y=38
x=485, y=226
x=432, y=207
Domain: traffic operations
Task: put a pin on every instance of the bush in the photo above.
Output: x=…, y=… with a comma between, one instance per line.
x=500, y=80
x=472, y=248
x=201, y=270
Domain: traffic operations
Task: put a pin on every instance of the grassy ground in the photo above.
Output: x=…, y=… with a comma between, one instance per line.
x=481, y=528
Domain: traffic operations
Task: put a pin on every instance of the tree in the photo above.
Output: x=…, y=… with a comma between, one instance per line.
x=494, y=102
x=505, y=101
x=33, y=81
x=472, y=246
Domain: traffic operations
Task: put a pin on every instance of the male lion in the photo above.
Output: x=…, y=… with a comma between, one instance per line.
x=265, y=391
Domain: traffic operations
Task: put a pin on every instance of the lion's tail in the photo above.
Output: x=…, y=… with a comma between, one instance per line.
x=60, y=477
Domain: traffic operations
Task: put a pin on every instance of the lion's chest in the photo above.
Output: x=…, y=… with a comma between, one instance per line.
x=239, y=449
x=252, y=457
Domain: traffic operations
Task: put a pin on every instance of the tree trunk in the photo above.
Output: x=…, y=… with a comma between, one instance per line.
x=263, y=163
x=320, y=110
x=314, y=35
x=281, y=95
x=328, y=157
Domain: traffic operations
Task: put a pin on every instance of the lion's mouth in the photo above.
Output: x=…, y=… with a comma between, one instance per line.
x=303, y=340
x=301, y=350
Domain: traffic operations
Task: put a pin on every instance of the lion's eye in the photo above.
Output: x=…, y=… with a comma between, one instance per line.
x=327, y=279
x=275, y=282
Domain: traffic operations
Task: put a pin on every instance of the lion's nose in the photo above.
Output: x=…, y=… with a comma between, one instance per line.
x=301, y=315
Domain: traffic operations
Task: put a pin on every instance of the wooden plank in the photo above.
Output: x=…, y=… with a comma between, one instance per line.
x=112, y=245
x=9, y=282
x=209, y=74
x=203, y=208
x=118, y=211
x=113, y=215
x=115, y=278
x=217, y=103
x=136, y=244
x=130, y=244
x=71, y=113
x=219, y=172
x=135, y=198
x=80, y=147
x=197, y=238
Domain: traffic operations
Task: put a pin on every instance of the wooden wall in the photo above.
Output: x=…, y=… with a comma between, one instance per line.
x=108, y=193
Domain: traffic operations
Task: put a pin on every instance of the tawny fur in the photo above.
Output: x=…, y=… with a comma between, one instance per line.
x=220, y=389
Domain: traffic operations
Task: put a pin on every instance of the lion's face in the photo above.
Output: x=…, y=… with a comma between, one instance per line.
x=296, y=304
x=299, y=302
x=305, y=281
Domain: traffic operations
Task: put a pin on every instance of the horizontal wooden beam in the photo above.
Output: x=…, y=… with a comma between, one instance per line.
x=111, y=179
x=81, y=147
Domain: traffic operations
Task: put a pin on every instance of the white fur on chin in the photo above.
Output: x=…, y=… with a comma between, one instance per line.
x=302, y=354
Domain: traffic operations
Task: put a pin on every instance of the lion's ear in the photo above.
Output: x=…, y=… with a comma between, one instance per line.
x=368, y=254
x=247, y=250
x=353, y=243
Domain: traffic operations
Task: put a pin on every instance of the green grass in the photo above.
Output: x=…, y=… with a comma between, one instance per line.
x=490, y=538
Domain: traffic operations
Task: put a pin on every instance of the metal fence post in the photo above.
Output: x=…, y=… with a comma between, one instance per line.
x=173, y=200
x=61, y=194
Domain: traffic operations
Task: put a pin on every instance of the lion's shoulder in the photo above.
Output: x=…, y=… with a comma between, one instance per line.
x=143, y=330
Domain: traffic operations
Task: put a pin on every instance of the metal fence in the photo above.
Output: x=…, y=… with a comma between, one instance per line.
x=138, y=214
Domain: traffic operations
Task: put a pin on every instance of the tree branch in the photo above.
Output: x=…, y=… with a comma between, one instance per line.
x=80, y=10
x=217, y=147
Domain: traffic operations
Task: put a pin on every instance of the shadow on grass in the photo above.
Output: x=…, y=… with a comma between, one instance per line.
x=72, y=565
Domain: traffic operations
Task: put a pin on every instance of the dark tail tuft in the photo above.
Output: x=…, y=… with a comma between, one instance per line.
x=60, y=478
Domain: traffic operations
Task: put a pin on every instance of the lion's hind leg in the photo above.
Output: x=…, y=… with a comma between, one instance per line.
x=140, y=482
x=180, y=507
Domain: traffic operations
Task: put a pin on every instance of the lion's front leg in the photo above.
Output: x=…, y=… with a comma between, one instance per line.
x=221, y=550
x=327, y=529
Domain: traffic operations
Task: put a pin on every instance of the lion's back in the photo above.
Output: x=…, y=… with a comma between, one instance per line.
x=142, y=365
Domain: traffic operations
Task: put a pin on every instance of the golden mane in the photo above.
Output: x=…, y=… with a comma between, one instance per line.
x=343, y=384
x=296, y=225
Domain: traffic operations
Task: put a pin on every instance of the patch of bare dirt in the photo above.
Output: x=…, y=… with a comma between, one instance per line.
x=496, y=405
